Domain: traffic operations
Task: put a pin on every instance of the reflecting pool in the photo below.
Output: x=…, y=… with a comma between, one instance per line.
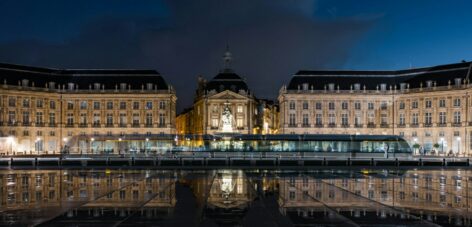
x=360, y=197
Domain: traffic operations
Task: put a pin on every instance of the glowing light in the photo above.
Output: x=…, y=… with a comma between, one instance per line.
x=10, y=139
x=92, y=139
x=119, y=139
x=147, y=139
x=64, y=139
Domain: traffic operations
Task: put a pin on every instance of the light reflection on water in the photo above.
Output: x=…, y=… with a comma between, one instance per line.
x=235, y=197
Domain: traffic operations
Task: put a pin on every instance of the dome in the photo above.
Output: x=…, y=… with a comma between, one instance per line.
x=227, y=80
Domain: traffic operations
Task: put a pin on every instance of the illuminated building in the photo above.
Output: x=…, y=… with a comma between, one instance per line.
x=430, y=107
x=42, y=109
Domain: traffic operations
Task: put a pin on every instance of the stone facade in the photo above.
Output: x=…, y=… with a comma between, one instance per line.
x=226, y=90
x=64, y=111
x=430, y=107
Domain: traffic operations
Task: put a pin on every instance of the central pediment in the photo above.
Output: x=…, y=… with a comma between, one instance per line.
x=228, y=95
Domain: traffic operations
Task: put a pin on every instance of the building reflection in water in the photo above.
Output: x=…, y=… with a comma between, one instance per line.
x=130, y=197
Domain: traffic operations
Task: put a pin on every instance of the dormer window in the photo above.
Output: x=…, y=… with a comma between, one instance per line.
x=457, y=81
x=70, y=86
x=429, y=83
x=331, y=86
x=123, y=86
x=24, y=83
x=96, y=86
x=383, y=87
x=357, y=86
x=149, y=86
x=52, y=85
x=402, y=86
x=305, y=86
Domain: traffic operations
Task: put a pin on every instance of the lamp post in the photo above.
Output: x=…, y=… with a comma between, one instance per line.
x=146, y=145
x=37, y=145
x=415, y=139
x=119, y=146
x=10, y=141
x=91, y=145
x=442, y=145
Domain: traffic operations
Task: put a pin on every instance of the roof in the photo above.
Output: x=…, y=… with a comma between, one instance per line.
x=441, y=75
x=11, y=74
x=226, y=80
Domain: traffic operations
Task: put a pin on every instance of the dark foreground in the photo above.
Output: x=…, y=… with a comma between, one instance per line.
x=330, y=197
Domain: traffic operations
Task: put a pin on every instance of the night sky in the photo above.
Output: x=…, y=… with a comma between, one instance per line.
x=270, y=40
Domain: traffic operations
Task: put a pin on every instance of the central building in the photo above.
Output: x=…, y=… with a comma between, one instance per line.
x=223, y=105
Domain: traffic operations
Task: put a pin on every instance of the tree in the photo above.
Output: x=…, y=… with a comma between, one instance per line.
x=416, y=146
x=436, y=145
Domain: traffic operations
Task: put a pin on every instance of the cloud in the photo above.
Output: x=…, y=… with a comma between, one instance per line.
x=270, y=40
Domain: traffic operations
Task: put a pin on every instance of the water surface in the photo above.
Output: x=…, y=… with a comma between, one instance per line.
x=235, y=198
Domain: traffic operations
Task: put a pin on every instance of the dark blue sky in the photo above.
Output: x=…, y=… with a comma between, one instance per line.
x=270, y=40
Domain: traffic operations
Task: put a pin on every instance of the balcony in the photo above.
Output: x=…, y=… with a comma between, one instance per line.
x=428, y=125
x=96, y=125
x=358, y=125
x=83, y=125
x=122, y=125
x=384, y=125
x=305, y=125
x=12, y=123
x=414, y=125
x=370, y=125
x=470, y=123
x=443, y=124
x=26, y=123
x=401, y=125
x=1, y=123
x=109, y=125
x=161, y=125
x=39, y=124
x=456, y=124
x=69, y=125
x=212, y=127
x=52, y=124
x=331, y=125
x=292, y=125
x=148, y=125
x=135, y=125
x=319, y=125
x=345, y=125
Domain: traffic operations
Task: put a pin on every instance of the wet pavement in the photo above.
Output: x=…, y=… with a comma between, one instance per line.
x=329, y=197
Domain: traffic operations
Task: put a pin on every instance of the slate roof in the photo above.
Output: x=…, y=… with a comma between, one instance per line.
x=226, y=80
x=82, y=77
x=440, y=74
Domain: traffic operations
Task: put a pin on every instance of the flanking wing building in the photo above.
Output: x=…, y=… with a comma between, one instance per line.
x=430, y=107
x=41, y=109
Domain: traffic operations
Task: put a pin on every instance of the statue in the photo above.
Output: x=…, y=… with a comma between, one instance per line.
x=227, y=119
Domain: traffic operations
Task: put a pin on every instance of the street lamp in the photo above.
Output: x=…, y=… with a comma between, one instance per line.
x=458, y=145
x=415, y=139
x=91, y=142
x=10, y=141
x=442, y=145
x=37, y=146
